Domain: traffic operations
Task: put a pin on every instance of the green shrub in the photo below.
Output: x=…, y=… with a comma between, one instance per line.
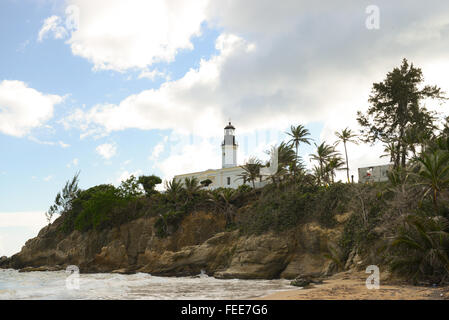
x=104, y=205
x=282, y=209
x=168, y=222
x=421, y=249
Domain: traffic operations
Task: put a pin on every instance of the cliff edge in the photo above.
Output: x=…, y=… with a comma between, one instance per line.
x=200, y=243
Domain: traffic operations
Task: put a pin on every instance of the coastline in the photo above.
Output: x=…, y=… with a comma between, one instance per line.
x=351, y=286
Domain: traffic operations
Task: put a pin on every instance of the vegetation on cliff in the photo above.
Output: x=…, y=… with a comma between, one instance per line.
x=402, y=223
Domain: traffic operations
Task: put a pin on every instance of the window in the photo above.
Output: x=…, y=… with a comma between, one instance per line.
x=229, y=180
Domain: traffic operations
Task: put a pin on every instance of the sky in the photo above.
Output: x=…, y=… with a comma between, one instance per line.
x=112, y=88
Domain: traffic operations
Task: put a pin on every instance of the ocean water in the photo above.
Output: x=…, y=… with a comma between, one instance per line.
x=57, y=285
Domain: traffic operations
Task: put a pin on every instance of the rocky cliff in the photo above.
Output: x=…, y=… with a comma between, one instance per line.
x=199, y=244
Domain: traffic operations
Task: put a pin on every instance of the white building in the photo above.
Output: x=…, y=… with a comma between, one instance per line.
x=374, y=173
x=228, y=175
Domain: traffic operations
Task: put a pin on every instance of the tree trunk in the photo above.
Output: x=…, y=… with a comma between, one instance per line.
x=402, y=151
x=347, y=162
x=397, y=156
x=404, y=155
x=321, y=172
x=435, y=194
x=296, y=160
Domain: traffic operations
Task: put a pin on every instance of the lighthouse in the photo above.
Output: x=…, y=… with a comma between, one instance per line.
x=230, y=173
x=229, y=147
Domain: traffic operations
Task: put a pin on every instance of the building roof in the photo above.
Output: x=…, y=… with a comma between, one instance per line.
x=209, y=171
x=229, y=126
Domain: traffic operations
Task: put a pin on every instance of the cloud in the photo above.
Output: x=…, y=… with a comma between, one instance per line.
x=48, y=178
x=17, y=227
x=189, y=156
x=157, y=150
x=107, y=150
x=275, y=65
x=52, y=25
x=195, y=153
x=153, y=74
x=359, y=155
x=23, y=108
x=124, y=175
x=191, y=104
x=73, y=163
x=30, y=219
x=63, y=145
x=264, y=79
x=114, y=35
x=49, y=143
x=23, y=46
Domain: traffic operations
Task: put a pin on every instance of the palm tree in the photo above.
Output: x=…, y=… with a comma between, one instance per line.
x=298, y=135
x=286, y=158
x=191, y=186
x=345, y=136
x=173, y=188
x=224, y=200
x=316, y=172
x=434, y=173
x=391, y=149
x=251, y=171
x=324, y=153
x=420, y=249
x=334, y=163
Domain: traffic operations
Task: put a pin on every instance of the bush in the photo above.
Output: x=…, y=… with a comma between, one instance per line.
x=278, y=210
x=104, y=205
x=168, y=222
x=98, y=209
x=421, y=249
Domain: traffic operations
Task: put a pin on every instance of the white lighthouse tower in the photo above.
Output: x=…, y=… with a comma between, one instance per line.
x=229, y=147
x=229, y=176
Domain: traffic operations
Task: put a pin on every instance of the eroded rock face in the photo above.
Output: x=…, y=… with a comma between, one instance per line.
x=257, y=257
x=3, y=261
x=199, y=244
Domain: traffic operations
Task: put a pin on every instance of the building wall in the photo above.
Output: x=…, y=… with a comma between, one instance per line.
x=374, y=173
x=221, y=178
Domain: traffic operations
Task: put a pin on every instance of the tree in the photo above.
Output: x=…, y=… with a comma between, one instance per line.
x=334, y=163
x=251, y=171
x=434, y=173
x=224, y=201
x=129, y=188
x=191, y=187
x=324, y=153
x=346, y=136
x=286, y=160
x=395, y=108
x=64, y=199
x=173, y=188
x=298, y=135
x=390, y=150
x=149, y=183
x=420, y=248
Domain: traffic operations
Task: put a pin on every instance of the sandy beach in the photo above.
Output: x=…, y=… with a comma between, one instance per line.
x=351, y=286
